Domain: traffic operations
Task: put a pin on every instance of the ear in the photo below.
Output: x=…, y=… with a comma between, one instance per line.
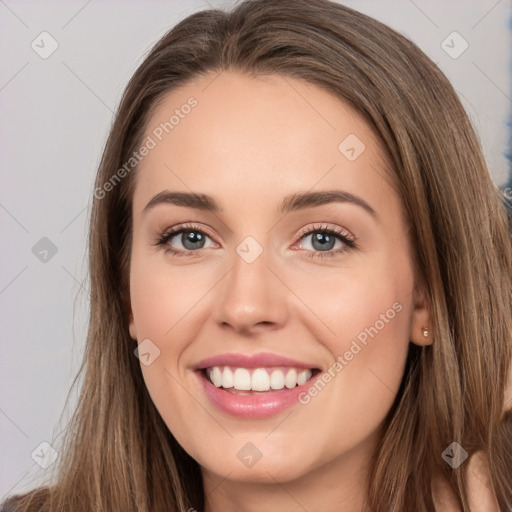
x=421, y=325
x=131, y=326
x=131, y=321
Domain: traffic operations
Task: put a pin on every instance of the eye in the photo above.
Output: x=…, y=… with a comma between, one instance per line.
x=191, y=237
x=323, y=240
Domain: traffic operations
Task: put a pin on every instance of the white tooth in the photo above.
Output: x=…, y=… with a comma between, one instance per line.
x=277, y=379
x=216, y=376
x=260, y=380
x=303, y=377
x=290, y=380
x=242, y=379
x=227, y=378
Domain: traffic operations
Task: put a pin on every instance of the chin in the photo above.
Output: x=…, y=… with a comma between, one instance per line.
x=267, y=469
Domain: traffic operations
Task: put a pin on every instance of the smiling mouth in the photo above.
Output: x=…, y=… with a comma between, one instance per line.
x=248, y=381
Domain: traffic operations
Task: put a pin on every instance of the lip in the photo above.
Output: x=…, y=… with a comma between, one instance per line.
x=253, y=406
x=261, y=360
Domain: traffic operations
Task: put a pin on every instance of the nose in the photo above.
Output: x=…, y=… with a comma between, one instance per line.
x=253, y=298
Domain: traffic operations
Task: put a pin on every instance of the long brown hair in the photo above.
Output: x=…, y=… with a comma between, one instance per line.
x=119, y=456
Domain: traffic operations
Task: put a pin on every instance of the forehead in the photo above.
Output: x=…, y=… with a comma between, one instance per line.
x=232, y=135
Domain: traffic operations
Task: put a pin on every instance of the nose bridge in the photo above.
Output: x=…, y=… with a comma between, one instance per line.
x=251, y=294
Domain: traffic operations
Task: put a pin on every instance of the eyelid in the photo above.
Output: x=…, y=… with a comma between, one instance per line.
x=185, y=226
x=325, y=227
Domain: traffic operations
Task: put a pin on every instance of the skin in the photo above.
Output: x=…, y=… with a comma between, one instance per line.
x=479, y=488
x=248, y=143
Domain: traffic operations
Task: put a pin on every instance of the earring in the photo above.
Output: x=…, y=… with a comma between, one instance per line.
x=425, y=332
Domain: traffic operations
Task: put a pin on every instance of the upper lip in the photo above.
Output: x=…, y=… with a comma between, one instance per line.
x=264, y=359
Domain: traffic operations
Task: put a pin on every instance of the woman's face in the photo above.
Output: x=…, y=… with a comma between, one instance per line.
x=320, y=285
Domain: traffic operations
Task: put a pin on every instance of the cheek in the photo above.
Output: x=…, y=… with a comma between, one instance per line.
x=163, y=298
x=162, y=305
x=360, y=387
x=373, y=350
x=370, y=314
x=159, y=306
x=166, y=302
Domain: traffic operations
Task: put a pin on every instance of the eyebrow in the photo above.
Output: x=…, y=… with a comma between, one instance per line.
x=292, y=202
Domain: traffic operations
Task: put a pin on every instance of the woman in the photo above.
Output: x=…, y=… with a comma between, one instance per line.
x=300, y=281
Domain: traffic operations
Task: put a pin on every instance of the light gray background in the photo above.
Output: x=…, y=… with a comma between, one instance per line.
x=55, y=116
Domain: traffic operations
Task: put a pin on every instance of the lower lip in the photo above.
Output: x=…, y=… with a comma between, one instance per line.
x=253, y=406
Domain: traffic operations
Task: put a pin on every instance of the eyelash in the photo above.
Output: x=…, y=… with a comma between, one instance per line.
x=342, y=235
